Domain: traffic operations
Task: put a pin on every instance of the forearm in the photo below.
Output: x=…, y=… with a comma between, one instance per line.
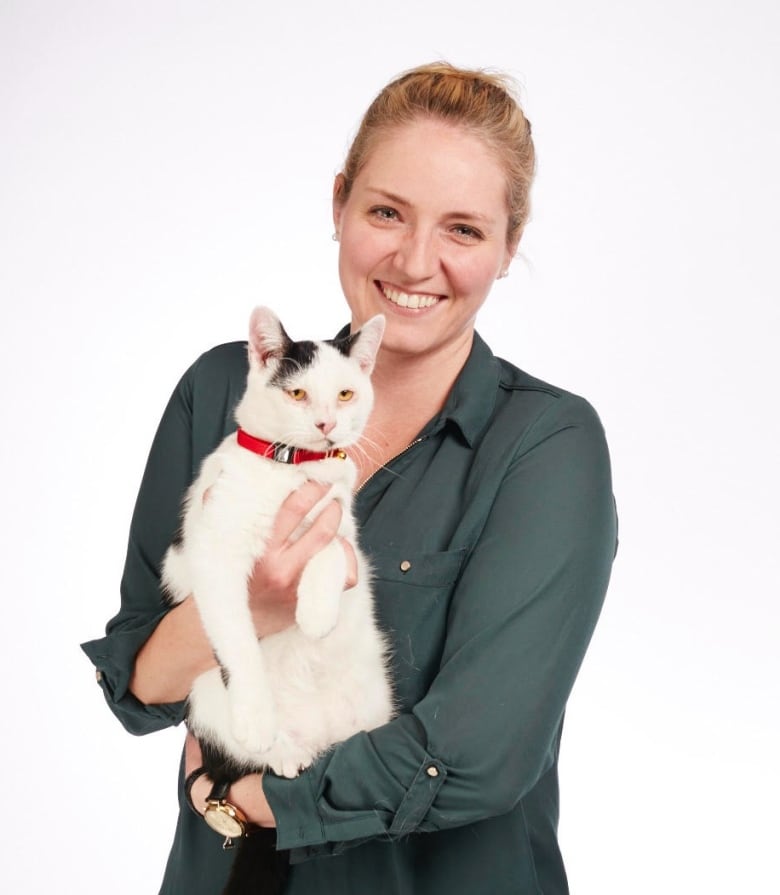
x=170, y=660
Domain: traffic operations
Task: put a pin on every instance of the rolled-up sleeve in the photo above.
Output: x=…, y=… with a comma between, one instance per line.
x=113, y=657
x=519, y=621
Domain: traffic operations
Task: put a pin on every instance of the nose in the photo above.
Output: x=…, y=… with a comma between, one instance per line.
x=417, y=256
x=326, y=426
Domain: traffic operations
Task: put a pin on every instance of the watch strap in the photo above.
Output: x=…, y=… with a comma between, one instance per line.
x=219, y=791
x=189, y=783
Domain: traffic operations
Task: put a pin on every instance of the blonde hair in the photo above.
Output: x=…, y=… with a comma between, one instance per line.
x=481, y=102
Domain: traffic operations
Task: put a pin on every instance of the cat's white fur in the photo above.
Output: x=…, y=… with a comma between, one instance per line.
x=299, y=691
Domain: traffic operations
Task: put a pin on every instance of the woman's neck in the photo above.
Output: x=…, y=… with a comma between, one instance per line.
x=415, y=384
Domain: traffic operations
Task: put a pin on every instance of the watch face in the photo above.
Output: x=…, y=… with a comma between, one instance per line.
x=220, y=818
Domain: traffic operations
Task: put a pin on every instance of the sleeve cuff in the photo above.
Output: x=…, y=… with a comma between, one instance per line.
x=298, y=823
x=113, y=657
x=310, y=826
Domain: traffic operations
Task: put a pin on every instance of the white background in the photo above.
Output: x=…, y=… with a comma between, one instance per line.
x=165, y=166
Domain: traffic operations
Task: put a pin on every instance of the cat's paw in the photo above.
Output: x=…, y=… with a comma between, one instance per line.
x=255, y=734
x=288, y=757
x=291, y=764
x=316, y=621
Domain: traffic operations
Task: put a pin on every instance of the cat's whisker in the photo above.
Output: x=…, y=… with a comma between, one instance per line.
x=360, y=450
x=365, y=443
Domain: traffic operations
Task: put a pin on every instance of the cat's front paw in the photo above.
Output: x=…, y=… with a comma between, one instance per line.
x=255, y=734
x=316, y=621
x=288, y=757
x=291, y=764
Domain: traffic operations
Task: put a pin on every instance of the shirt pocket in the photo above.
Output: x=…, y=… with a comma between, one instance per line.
x=412, y=596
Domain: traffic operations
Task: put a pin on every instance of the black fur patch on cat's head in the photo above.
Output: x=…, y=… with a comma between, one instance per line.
x=297, y=356
x=343, y=344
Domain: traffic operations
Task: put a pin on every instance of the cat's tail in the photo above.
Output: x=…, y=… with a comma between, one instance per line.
x=258, y=866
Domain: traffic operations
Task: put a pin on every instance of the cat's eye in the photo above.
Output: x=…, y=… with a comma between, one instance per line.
x=297, y=394
x=346, y=394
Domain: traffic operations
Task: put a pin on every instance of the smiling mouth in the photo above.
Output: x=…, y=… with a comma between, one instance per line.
x=408, y=299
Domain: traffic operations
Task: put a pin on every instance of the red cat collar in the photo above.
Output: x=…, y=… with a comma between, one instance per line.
x=285, y=453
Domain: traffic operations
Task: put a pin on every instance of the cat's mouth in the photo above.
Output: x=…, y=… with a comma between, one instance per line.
x=412, y=300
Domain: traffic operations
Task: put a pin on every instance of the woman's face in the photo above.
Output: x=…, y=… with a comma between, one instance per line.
x=423, y=236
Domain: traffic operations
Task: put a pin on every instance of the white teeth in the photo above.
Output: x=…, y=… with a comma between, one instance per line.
x=415, y=300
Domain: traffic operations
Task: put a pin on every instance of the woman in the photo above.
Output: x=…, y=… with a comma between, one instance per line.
x=486, y=509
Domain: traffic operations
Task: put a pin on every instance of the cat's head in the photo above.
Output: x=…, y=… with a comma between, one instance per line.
x=313, y=395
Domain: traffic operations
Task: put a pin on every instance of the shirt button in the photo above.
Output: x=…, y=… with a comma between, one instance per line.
x=405, y=565
x=432, y=771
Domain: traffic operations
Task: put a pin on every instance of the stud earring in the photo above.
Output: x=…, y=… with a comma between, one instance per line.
x=504, y=273
x=335, y=237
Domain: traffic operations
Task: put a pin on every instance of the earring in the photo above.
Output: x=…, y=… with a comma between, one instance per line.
x=504, y=273
x=335, y=237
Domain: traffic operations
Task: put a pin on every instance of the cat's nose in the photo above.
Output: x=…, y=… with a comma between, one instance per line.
x=326, y=427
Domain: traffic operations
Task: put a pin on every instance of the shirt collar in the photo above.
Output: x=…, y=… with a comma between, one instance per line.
x=472, y=399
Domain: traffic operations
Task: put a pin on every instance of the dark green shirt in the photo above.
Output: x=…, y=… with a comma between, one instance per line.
x=492, y=539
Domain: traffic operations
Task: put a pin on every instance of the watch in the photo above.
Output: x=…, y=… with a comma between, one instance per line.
x=224, y=818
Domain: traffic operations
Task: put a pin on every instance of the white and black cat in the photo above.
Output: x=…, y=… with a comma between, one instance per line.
x=281, y=702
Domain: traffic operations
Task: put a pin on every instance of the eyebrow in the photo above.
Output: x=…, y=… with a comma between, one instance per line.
x=399, y=200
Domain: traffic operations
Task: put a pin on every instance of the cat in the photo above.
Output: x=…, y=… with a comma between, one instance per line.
x=279, y=703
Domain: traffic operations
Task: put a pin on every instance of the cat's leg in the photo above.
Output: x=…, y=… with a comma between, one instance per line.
x=320, y=589
x=253, y=713
x=221, y=598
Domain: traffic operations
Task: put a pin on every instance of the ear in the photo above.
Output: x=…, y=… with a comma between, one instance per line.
x=338, y=200
x=267, y=339
x=366, y=344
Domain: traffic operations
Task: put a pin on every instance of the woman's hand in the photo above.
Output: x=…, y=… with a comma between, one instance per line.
x=246, y=793
x=274, y=583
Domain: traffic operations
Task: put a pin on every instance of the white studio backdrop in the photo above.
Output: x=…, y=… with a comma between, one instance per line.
x=165, y=166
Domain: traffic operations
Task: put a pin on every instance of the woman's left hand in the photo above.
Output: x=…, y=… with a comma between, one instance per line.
x=246, y=793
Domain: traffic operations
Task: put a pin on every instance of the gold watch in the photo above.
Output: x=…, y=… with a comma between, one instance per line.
x=224, y=818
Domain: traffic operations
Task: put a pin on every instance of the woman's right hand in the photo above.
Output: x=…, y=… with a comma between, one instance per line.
x=274, y=583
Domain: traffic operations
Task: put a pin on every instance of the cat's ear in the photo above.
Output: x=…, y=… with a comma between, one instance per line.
x=367, y=341
x=267, y=339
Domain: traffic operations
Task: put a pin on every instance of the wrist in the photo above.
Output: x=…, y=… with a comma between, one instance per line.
x=247, y=793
